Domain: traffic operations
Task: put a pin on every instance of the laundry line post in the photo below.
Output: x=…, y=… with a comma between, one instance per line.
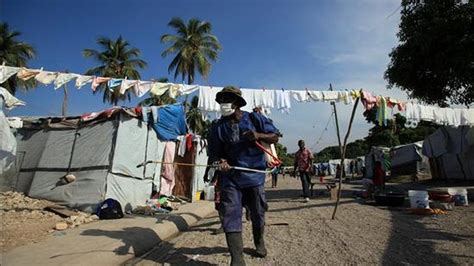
x=339, y=192
x=337, y=122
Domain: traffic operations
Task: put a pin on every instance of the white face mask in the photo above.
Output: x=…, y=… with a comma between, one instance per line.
x=226, y=109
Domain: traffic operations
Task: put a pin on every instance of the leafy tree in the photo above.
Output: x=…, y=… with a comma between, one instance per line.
x=117, y=60
x=193, y=47
x=395, y=132
x=282, y=152
x=194, y=118
x=15, y=53
x=434, y=60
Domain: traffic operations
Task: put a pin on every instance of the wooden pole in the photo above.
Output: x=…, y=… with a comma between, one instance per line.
x=64, y=109
x=337, y=122
x=339, y=192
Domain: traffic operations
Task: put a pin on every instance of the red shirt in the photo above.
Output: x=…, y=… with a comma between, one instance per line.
x=302, y=159
x=378, y=176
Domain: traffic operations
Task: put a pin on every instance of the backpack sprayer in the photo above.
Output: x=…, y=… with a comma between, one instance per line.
x=276, y=162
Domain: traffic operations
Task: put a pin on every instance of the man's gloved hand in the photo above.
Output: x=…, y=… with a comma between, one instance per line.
x=223, y=165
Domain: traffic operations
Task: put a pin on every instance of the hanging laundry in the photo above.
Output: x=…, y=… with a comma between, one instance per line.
x=355, y=94
x=467, y=117
x=283, y=101
x=300, y=96
x=96, y=81
x=345, y=97
x=142, y=87
x=316, y=96
x=6, y=72
x=249, y=97
x=186, y=89
x=381, y=114
x=10, y=101
x=182, y=146
x=207, y=99
x=155, y=114
x=189, y=142
x=158, y=89
x=26, y=74
x=330, y=96
x=368, y=100
x=15, y=122
x=174, y=90
x=264, y=98
x=112, y=83
x=46, y=77
x=83, y=80
x=63, y=78
x=171, y=121
x=127, y=84
x=167, y=169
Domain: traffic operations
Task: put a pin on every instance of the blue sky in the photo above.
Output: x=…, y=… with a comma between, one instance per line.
x=292, y=44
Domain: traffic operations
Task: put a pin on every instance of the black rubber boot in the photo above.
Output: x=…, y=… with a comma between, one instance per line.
x=260, y=249
x=236, y=248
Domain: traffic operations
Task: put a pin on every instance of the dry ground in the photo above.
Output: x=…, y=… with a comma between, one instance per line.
x=23, y=220
x=362, y=234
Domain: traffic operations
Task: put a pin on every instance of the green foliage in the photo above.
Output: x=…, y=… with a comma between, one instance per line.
x=15, y=53
x=282, y=152
x=434, y=60
x=353, y=150
x=195, y=120
x=395, y=133
x=117, y=60
x=193, y=46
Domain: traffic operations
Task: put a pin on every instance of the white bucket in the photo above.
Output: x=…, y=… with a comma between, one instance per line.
x=460, y=196
x=418, y=199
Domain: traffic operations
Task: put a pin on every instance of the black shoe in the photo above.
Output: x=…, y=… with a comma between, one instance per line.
x=236, y=248
x=220, y=230
x=260, y=250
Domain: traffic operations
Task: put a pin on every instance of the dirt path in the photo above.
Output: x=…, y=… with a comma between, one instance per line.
x=361, y=234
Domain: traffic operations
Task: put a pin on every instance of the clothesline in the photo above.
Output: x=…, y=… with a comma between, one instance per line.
x=264, y=98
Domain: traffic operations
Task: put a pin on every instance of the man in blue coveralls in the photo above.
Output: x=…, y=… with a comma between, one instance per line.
x=232, y=143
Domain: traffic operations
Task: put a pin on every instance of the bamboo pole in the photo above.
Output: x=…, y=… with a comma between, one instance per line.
x=339, y=192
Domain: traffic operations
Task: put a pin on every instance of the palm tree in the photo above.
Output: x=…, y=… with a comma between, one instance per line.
x=118, y=60
x=158, y=100
x=194, y=118
x=15, y=53
x=193, y=46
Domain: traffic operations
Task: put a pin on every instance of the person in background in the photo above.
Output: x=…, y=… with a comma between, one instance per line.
x=232, y=143
x=303, y=164
x=379, y=177
x=275, y=173
x=352, y=168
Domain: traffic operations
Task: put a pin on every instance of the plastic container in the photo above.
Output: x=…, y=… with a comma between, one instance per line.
x=460, y=196
x=419, y=199
x=209, y=192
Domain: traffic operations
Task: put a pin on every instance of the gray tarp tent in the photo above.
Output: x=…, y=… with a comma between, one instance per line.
x=451, y=152
x=408, y=160
x=102, y=155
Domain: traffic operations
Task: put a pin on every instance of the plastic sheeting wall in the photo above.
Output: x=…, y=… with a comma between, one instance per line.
x=453, y=151
x=119, y=188
x=135, y=144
